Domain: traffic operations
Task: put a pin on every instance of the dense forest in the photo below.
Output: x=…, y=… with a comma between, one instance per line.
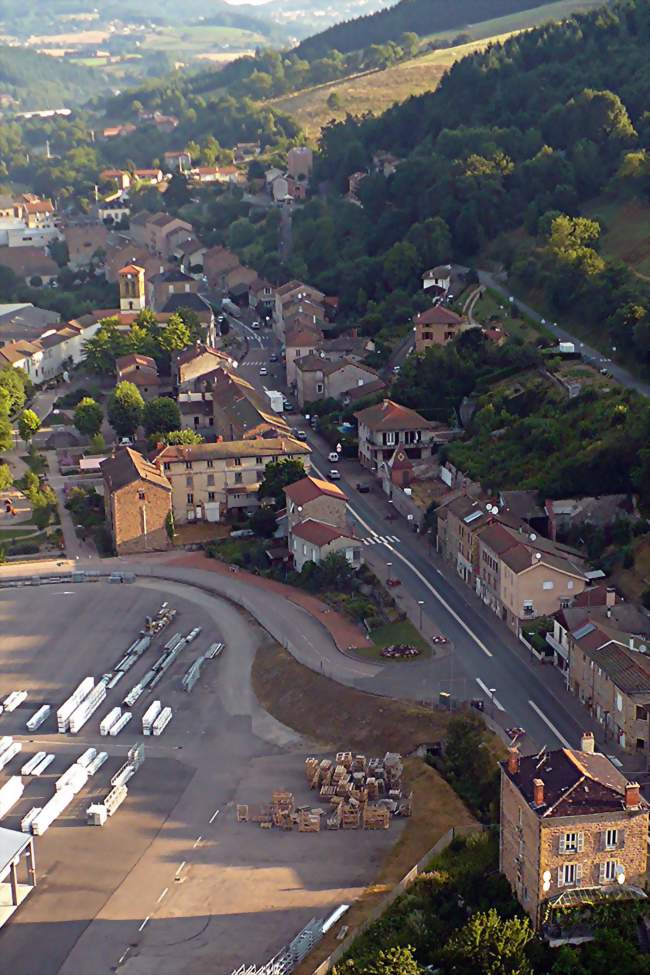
x=40, y=81
x=424, y=17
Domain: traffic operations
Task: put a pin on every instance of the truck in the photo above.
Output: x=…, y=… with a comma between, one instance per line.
x=276, y=400
x=231, y=308
x=566, y=348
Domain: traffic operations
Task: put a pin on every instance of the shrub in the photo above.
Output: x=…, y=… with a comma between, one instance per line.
x=24, y=548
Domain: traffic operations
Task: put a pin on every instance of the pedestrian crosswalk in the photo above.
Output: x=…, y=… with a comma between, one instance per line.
x=254, y=362
x=380, y=539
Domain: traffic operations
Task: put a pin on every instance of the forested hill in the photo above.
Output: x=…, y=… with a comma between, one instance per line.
x=421, y=17
x=40, y=81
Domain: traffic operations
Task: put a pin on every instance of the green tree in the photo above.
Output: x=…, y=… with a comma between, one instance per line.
x=490, y=945
x=88, y=417
x=107, y=344
x=334, y=101
x=393, y=961
x=11, y=380
x=278, y=475
x=161, y=415
x=175, y=336
x=184, y=437
x=6, y=478
x=125, y=408
x=28, y=425
x=263, y=521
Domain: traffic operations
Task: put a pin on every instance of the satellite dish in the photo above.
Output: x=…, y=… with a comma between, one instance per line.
x=538, y=555
x=546, y=886
x=546, y=876
x=621, y=877
x=533, y=537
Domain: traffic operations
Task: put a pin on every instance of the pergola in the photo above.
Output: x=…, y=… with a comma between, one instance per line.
x=13, y=891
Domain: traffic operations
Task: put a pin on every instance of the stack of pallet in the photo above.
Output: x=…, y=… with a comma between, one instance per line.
x=282, y=804
x=350, y=815
x=376, y=817
x=242, y=813
x=309, y=820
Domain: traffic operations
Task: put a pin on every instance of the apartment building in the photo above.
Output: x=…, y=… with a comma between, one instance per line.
x=289, y=295
x=387, y=425
x=210, y=480
x=572, y=829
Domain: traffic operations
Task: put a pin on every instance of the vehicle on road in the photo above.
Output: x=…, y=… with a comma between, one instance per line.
x=255, y=325
x=273, y=357
x=126, y=442
x=300, y=435
x=396, y=369
x=289, y=407
x=264, y=371
x=363, y=488
x=333, y=457
x=334, y=475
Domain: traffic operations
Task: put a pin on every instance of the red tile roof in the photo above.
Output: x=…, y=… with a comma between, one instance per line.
x=309, y=488
x=389, y=415
x=318, y=533
x=438, y=316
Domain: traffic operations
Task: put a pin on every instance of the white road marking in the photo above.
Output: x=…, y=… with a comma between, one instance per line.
x=550, y=724
x=122, y=957
x=162, y=895
x=487, y=691
x=214, y=815
x=181, y=867
x=146, y=921
x=197, y=841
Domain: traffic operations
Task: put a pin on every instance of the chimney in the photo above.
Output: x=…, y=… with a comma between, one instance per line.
x=610, y=597
x=632, y=795
x=513, y=760
x=587, y=742
x=538, y=792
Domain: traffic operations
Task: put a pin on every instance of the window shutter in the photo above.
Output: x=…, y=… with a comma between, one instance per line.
x=581, y=842
x=562, y=848
x=560, y=876
x=578, y=873
x=601, y=873
x=621, y=839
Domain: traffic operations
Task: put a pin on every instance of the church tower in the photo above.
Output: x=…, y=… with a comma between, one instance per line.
x=132, y=290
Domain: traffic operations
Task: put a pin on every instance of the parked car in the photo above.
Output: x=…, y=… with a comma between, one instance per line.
x=255, y=325
x=289, y=407
x=264, y=371
x=334, y=475
x=126, y=442
x=363, y=488
x=333, y=457
x=300, y=435
x=273, y=357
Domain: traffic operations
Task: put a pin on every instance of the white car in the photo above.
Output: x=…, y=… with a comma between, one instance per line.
x=264, y=371
x=333, y=457
x=255, y=325
x=334, y=475
x=126, y=442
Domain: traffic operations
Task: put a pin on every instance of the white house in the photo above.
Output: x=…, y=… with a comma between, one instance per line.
x=437, y=277
x=50, y=355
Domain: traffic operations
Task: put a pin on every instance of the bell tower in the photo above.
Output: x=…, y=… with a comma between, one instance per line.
x=132, y=290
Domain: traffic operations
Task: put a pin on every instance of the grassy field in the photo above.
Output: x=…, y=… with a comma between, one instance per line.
x=625, y=231
x=187, y=42
x=386, y=636
x=378, y=90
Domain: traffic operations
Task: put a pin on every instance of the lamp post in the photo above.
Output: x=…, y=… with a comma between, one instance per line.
x=420, y=605
x=389, y=566
x=493, y=691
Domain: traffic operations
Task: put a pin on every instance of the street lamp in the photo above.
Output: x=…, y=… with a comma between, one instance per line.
x=493, y=691
x=389, y=566
x=420, y=605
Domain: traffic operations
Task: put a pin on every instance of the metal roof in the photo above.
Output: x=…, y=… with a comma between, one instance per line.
x=12, y=844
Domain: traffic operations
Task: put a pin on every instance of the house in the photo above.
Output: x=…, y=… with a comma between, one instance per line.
x=300, y=163
x=572, y=830
x=525, y=506
x=240, y=277
x=137, y=502
x=319, y=378
x=113, y=212
x=86, y=244
x=241, y=412
x=599, y=512
x=246, y=150
x=279, y=189
x=317, y=523
x=170, y=282
x=189, y=255
x=299, y=341
x=120, y=177
x=217, y=174
x=138, y=227
x=120, y=254
x=178, y=159
x=151, y=176
x=218, y=262
x=385, y=426
x=211, y=479
x=25, y=322
x=438, y=277
x=142, y=371
x=385, y=163
x=164, y=123
x=288, y=295
x=164, y=232
x=29, y=262
x=261, y=295
x=197, y=362
x=349, y=345
x=117, y=131
x=29, y=222
x=298, y=188
x=437, y=326
x=52, y=353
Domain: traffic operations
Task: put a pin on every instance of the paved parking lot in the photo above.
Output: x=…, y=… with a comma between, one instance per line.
x=172, y=884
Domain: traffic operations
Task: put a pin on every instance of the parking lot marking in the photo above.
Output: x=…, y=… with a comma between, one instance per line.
x=122, y=957
x=214, y=815
x=197, y=841
x=181, y=867
x=162, y=895
x=146, y=920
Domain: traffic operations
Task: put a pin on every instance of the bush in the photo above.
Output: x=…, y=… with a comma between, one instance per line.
x=103, y=540
x=24, y=548
x=645, y=598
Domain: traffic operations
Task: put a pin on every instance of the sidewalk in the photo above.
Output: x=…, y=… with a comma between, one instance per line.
x=345, y=634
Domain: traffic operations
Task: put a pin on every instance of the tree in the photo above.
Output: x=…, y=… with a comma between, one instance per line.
x=264, y=522
x=278, y=475
x=28, y=425
x=393, y=961
x=88, y=417
x=6, y=478
x=490, y=945
x=184, y=437
x=6, y=433
x=334, y=101
x=175, y=336
x=13, y=381
x=125, y=408
x=161, y=415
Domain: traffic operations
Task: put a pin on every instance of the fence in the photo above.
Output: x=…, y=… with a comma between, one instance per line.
x=403, y=885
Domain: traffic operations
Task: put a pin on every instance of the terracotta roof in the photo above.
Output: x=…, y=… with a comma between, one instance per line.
x=134, y=359
x=628, y=669
x=309, y=488
x=26, y=261
x=318, y=533
x=128, y=466
x=13, y=352
x=368, y=389
x=303, y=338
x=438, y=316
x=389, y=415
x=497, y=538
x=225, y=449
x=131, y=269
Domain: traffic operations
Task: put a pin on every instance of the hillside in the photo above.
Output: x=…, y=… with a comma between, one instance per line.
x=422, y=17
x=38, y=81
x=376, y=91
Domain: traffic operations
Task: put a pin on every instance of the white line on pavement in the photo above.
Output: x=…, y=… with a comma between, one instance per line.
x=181, y=867
x=214, y=815
x=146, y=920
x=550, y=724
x=122, y=957
x=197, y=841
x=487, y=691
x=162, y=895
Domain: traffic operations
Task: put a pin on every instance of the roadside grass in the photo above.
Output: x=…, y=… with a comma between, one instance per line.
x=625, y=231
x=402, y=631
x=16, y=534
x=493, y=309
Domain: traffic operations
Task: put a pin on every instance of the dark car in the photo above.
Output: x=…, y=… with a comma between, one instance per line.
x=273, y=357
x=363, y=488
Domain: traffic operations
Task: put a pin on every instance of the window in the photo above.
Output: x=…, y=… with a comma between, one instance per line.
x=188, y=465
x=189, y=481
x=569, y=584
x=212, y=496
x=237, y=462
x=568, y=874
x=210, y=463
x=640, y=744
x=641, y=714
x=548, y=584
x=190, y=498
x=611, y=839
x=609, y=871
x=141, y=495
x=529, y=608
x=210, y=480
x=166, y=466
x=427, y=336
x=389, y=439
x=564, y=602
x=259, y=460
x=572, y=842
x=619, y=702
x=319, y=387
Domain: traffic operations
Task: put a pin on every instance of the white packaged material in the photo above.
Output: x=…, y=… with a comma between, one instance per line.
x=10, y=753
x=162, y=721
x=39, y=718
x=150, y=716
x=73, y=778
x=31, y=764
x=73, y=702
x=87, y=757
x=10, y=793
x=120, y=723
x=15, y=699
x=59, y=801
x=96, y=814
x=109, y=720
x=97, y=763
x=40, y=768
x=5, y=742
x=87, y=708
x=26, y=821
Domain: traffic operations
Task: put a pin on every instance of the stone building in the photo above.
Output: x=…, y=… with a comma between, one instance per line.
x=137, y=502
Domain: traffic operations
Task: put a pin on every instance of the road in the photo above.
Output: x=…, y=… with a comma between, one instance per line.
x=589, y=354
